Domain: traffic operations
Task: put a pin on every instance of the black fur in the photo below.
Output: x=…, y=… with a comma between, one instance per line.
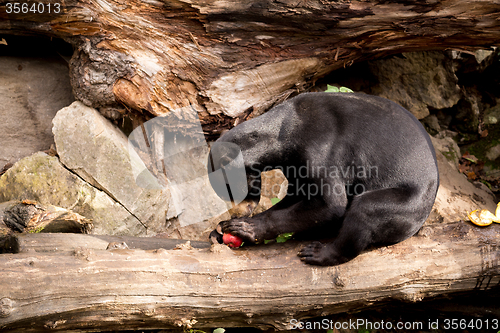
x=368, y=173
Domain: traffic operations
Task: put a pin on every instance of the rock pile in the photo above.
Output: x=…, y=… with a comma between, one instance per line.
x=92, y=177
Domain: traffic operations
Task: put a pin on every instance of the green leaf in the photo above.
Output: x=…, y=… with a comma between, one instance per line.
x=333, y=89
x=345, y=89
x=330, y=88
x=487, y=184
x=281, y=238
x=471, y=159
x=284, y=237
x=219, y=330
x=274, y=201
x=36, y=231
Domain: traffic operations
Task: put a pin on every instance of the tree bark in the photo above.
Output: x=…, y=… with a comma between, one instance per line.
x=78, y=285
x=230, y=60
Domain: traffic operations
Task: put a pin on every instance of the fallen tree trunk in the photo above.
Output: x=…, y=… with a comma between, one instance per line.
x=89, y=288
x=227, y=59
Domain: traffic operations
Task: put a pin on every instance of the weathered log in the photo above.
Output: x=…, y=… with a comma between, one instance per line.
x=229, y=60
x=66, y=242
x=261, y=286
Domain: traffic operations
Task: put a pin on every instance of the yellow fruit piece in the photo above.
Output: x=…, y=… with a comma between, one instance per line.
x=487, y=215
x=484, y=218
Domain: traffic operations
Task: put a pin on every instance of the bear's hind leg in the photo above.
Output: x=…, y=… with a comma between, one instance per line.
x=385, y=216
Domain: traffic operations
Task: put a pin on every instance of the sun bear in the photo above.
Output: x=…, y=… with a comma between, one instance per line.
x=362, y=172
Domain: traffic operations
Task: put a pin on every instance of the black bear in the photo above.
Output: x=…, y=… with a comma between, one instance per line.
x=361, y=169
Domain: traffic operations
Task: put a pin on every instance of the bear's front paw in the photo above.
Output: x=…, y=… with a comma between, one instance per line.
x=318, y=253
x=242, y=228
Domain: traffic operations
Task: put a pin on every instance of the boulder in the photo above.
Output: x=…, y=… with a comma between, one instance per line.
x=492, y=115
x=417, y=81
x=493, y=153
x=31, y=92
x=445, y=145
x=44, y=179
x=456, y=195
x=97, y=151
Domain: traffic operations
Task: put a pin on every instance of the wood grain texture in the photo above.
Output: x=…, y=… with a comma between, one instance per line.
x=227, y=59
x=264, y=286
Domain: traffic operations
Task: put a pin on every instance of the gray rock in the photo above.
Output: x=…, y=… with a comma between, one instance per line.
x=448, y=148
x=456, y=195
x=482, y=55
x=44, y=179
x=492, y=115
x=93, y=148
x=493, y=153
x=418, y=81
x=31, y=92
x=431, y=124
x=468, y=110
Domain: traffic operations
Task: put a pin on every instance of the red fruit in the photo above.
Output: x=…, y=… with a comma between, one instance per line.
x=231, y=241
